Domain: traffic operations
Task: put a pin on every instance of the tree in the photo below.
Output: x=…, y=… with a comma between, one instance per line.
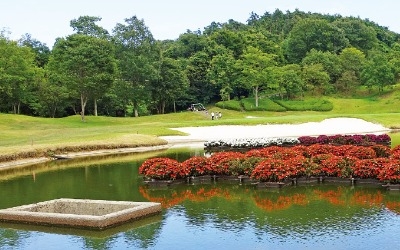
x=200, y=88
x=42, y=52
x=17, y=71
x=85, y=64
x=358, y=33
x=352, y=61
x=86, y=25
x=138, y=58
x=315, y=34
x=289, y=80
x=171, y=85
x=257, y=68
x=316, y=78
x=328, y=60
x=223, y=73
x=377, y=71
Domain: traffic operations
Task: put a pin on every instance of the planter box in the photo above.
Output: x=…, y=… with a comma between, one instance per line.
x=392, y=187
x=200, y=179
x=271, y=184
x=367, y=181
x=329, y=179
x=164, y=183
x=306, y=180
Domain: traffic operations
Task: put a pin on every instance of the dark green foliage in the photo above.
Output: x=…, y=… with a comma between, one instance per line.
x=264, y=104
x=307, y=105
x=231, y=104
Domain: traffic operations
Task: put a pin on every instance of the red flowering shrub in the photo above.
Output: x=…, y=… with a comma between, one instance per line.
x=395, y=152
x=368, y=168
x=390, y=172
x=381, y=150
x=162, y=169
x=338, y=166
x=221, y=162
x=264, y=152
x=317, y=149
x=197, y=166
x=278, y=169
x=244, y=166
x=285, y=154
x=361, y=152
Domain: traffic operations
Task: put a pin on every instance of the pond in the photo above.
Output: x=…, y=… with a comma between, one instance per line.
x=220, y=215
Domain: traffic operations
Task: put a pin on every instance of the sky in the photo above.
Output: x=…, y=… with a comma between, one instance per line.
x=46, y=20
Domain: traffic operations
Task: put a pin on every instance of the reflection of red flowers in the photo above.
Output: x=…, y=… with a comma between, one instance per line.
x=393, y=206
x=176, y=197
x=367, y=199
x=282, y=203
x=332, y=196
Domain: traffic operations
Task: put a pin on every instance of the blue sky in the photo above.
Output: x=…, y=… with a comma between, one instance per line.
x=46, y=20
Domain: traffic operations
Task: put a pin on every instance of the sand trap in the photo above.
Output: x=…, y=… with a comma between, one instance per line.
x=330, y=126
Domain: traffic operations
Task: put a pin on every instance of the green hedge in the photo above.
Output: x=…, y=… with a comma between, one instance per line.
x=264, y=104
x=307, y=105
x=231, y=105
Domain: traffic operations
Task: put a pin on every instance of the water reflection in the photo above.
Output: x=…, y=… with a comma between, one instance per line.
x=227, y=214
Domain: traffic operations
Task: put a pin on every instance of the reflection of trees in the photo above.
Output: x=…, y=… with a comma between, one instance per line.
x=10, y=238
x=284, y=211
x=144, y=237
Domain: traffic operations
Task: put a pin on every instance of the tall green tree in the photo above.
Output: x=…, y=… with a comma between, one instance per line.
x=84, y=64
x=138, y=57
x=328, y=60
x=42, y=52
x=86, y=25
x=257, y=70
x=289, y=80
x=223, y=73
x=377, y=71
x=171, y=85
x=316, y=34
x=316, y=79
x=17, y=74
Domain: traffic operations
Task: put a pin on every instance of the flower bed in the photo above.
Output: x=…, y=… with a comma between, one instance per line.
x=281, y=164
x=249, y=143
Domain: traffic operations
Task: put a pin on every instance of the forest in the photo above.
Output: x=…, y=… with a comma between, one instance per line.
x=126, y=72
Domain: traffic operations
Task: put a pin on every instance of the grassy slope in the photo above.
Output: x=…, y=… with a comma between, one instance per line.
x=22, y=133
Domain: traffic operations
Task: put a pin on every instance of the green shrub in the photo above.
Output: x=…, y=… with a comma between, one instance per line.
x=264, y=104
x=306, y=105
x=231, y=105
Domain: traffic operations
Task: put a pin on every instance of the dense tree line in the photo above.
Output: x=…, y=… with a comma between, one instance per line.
x=128, y=72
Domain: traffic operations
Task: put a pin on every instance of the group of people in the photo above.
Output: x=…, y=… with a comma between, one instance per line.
x=216, y=116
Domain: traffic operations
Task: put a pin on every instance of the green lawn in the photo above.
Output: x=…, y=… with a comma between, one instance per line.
x=32, y=134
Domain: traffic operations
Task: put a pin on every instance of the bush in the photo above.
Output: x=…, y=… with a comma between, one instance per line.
x=306, y=105
x=231, y=105
x=264, y=104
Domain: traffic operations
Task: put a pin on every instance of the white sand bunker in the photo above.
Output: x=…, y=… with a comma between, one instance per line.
x=330, y=126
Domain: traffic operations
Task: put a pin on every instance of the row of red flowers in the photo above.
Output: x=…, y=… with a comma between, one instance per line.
x=279, y=163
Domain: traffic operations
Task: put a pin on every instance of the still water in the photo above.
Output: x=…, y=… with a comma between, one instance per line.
x=212, y=215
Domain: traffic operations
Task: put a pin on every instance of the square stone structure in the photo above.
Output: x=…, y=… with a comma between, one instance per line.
x=80, y=213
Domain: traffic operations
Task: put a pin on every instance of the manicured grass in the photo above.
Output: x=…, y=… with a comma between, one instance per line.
x=21, y=134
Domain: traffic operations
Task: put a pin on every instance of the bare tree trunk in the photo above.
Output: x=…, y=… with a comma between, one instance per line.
x=95, y=107
x=256, y=95
x=135, y=108
x=83, y=105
